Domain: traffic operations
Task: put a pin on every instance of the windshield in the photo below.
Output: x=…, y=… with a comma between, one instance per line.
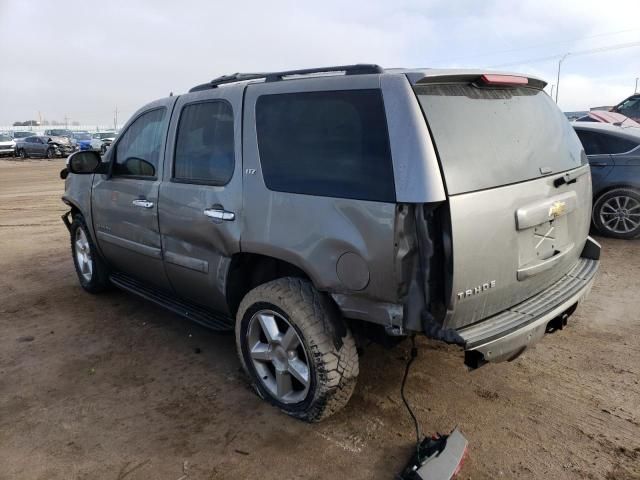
x=5, y=138
x=488, y=137
x=106, y=135
x=82, y=136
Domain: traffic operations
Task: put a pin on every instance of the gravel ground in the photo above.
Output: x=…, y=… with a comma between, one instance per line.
x=112, y=387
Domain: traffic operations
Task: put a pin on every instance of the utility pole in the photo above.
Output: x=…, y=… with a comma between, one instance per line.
x=562, y=59
x=635, y=90
x=552, y=87
x=66, y=121
x=115, y=118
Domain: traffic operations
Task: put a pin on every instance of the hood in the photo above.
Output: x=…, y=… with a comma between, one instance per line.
x=60, y=140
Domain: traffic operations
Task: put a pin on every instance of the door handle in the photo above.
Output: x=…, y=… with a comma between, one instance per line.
x=143, y=203
x=219, y=214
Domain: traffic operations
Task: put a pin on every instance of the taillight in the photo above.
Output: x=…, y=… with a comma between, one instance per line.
x=503, y=80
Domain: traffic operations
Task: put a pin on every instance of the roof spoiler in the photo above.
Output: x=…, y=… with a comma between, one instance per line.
x=479, y=78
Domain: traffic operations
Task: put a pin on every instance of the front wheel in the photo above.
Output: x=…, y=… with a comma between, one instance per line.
x=50, y=153
x=296, y=349
x=91, y=270
x=23, y=154
x=616, y=213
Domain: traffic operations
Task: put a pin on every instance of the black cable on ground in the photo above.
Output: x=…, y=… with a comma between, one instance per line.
x=414, y=354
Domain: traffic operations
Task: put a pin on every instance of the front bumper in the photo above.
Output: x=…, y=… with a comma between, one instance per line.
x=507, y=334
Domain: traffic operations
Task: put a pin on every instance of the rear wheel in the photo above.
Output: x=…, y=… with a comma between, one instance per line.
x=616, y=213
x=91, y=270
x=296, y=349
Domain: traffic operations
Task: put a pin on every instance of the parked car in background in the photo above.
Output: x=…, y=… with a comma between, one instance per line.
x=106, y=138
x=85, y=141
x=21, y=134
x=320, y=203
x=7, y=145
x=44, y=146
x=613, y=118
x=629, y=107
x=58, y=132
x=614, y=156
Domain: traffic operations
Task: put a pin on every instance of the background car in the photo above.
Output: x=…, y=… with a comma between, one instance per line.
x=58, y=132
x=21, y=134
x=629, y=107
x=44, y=146
x=613, y=118
x=106, y=138
x=7, y=144
x=614, y=156
x=85, y=141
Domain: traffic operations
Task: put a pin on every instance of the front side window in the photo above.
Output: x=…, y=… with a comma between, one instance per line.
x=332, y=144
x=204, y=146
x=138, y=151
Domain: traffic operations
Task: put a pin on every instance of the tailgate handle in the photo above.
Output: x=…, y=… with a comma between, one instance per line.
x=530, y=270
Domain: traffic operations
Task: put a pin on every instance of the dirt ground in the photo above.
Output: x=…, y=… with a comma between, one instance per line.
x=113, y=387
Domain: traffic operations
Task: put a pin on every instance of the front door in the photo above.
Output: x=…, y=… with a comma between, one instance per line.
x=201, y=197
x=125, y=202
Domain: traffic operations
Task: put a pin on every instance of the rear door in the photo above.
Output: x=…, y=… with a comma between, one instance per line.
x=201, y=197
x=125, y=202
x=519, y=191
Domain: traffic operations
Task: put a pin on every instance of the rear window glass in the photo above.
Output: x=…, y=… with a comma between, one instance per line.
x=332, y=144
x=489, y=137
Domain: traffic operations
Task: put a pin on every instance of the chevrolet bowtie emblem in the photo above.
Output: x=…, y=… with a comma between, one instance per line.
x=557, y=209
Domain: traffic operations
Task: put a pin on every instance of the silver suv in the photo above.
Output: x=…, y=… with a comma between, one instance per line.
x=307, y=208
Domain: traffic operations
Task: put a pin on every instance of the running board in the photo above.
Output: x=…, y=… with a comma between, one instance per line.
x=213, y=321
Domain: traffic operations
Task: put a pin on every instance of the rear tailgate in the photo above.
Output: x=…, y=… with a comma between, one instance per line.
x=519, y=191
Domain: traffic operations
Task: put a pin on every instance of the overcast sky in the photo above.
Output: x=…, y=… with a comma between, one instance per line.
x=83, y=58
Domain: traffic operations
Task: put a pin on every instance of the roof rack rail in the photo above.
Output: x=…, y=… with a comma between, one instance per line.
x=357, y=69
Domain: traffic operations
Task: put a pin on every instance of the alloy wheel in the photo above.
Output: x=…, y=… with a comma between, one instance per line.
x=278, y=356
x=83, y=255
x=620, y=214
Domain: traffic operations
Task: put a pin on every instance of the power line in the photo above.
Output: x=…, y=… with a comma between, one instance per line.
x=573, y=54
x=531, y=47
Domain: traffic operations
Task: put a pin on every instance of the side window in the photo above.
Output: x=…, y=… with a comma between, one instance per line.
x=332, y=144
x=613, y=144
x=138, y=151
x=590, y=142
x=204, y=144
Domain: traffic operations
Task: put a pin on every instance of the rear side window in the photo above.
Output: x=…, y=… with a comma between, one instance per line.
x=595, y=143
x=332, y=144
x=204, y=146
x=138, y=151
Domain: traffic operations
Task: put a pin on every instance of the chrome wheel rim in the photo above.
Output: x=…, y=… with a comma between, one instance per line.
x=278, y=356
x=620, y=214
x=83, y=255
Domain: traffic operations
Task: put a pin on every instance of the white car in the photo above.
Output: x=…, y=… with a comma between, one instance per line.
x=7, y=145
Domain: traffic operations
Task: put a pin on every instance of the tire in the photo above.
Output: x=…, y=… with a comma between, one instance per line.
x=93, y=279
x=23, y=154
x=50, y=153
x=319, y=339
x=616, y=213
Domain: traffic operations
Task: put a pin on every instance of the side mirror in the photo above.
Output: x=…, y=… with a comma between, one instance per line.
x=85, y=162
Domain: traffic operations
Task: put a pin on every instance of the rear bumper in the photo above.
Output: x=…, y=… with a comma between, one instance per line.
x=507, y=334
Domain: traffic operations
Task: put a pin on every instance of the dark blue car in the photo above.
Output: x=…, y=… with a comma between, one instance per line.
x=614, y=156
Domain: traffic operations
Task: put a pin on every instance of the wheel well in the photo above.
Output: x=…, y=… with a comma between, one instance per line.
x=607, y=189
x=248, y=270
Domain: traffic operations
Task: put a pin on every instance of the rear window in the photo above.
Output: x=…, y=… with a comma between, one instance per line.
x=332, y=144
x=489, y=137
